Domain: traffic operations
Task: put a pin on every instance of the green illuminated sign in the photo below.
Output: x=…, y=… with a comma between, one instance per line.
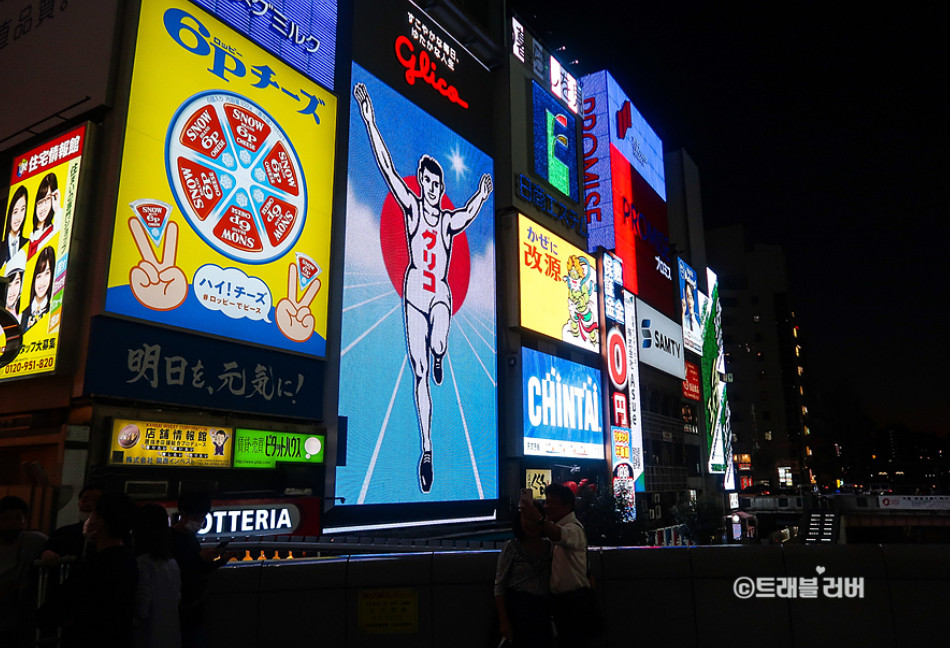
x=266, y=448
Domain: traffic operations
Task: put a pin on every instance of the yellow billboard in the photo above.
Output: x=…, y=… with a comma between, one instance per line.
x=152, y=443
x=223, y=218
x=34, y=253
x=558, y=287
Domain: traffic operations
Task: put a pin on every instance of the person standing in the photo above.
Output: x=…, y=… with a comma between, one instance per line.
x=159, y=588
x=572, y=598
x=18, y=549
x=68, y=540
x=522, y=586
x=195, y=564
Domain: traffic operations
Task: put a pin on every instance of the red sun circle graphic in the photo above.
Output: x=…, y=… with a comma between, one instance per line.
x=395, y=247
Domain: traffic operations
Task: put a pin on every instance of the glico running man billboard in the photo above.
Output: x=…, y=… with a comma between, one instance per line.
x=625, y=191
x=223, y=216
x=34, y=253
x=562, y=407
x=418, y=359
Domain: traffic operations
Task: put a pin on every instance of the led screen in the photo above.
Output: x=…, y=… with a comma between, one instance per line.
x=689, y=307
x=34, y=253
x=555, y=142
x=661, y=341
x=152, y=443
x=718, y=425
x=624, y=191
x=418, y=346
x=633, y=389
x=223, y=216
x=558, y=287
x=562, y=407
x=302, y=33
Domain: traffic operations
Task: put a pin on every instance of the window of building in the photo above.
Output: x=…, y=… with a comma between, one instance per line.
x=756, y=319
x=768, y=435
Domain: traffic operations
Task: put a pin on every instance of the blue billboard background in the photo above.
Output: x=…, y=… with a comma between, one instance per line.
x=302, y=33
x=555, y=142
x=561, y=407
x=376, y=375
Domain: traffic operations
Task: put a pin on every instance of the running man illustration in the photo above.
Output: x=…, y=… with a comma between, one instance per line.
x=427, y=298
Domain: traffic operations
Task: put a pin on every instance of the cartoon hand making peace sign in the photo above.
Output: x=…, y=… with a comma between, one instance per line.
x=293, y=317
x=159, y=285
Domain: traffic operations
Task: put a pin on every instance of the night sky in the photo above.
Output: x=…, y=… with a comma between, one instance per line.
x=817, y=129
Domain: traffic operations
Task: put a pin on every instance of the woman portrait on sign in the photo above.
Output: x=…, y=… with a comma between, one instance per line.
x=13, y=238
x=41, y=288
x=46, y=210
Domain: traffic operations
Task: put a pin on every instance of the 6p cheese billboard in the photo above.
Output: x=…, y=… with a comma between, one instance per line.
x=223, y=216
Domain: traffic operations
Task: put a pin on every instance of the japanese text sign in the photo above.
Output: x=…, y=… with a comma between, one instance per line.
x=265, y=449
x=154, y=443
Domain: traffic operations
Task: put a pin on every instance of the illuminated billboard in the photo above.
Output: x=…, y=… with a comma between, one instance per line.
x=558, y=283
x=153, y=443
x=34, y=254
x=418, y=337
x=718, y=423
x=624, y=191
x=545, y=68
x=689, y=307
x=223, y=215
x=633, y=390
x=301, y=34
x=555, y=142
x=267, y=448
x=562, y=407
x=661, y=341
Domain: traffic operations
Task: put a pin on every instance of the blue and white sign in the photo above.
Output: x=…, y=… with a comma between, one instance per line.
x=302, y=33
x=661, y=341
x=690, y=309
x=562, y=407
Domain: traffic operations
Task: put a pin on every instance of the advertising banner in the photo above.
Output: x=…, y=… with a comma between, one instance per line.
x=558, y=287
x=661, y=341
x=544, y=67
x=418, y=360
x=555, y=142
x=625, y=195
x=562, y=407
x=689, y=308
x=537, y=480
x=267, y=448
x=633, y=390
x=691, y=389
x=146, y=363
x=718, y=425
x=34, y=254
x=153, y=443
x=300, y=33
x=223, y=216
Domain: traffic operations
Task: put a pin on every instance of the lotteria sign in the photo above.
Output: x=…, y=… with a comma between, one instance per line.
x=562, y=407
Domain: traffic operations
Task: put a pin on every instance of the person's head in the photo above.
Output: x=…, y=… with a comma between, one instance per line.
x=88, y=497
x=219, y=437
x=151, y=531
x=431, y=180
x=524, y=527
x=13, y=516
x=193, y=508
x=45, y=195
x=14, y=275
x=43, y=274
x=17, y=212
x=690, y=300
x=558, y=501
x=112, y=518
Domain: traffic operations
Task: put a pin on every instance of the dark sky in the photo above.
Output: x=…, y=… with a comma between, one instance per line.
x=818, y=129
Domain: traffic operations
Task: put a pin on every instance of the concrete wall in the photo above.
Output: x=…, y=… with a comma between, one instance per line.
x=677, y=596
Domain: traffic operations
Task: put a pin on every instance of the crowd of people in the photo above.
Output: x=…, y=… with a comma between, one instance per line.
x=129, y=579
